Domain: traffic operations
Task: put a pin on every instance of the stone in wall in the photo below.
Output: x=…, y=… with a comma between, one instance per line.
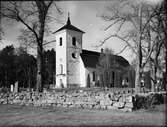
x=129, y=99
x=106, y=102
x=126, y=109
x=129, y=105
x=119, y=105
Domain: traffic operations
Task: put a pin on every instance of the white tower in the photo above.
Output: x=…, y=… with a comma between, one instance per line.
x=68, y=49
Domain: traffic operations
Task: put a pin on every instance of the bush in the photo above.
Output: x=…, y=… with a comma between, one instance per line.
x=157, y=99
x=4, y=90
x=145, y=102
x=139, y=102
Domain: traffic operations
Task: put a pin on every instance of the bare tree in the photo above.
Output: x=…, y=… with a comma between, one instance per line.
x=34, y=15
x=133, y=14
x=109, y=67
x=106, y=60
x=158, y=27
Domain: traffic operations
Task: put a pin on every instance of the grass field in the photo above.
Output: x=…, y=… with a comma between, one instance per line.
x=14, y=115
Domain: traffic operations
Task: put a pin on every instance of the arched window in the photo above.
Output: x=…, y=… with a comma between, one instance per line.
x=74, y=55
x=61, y=69
x=94, y=76
x=73, y=41
x=61, y=43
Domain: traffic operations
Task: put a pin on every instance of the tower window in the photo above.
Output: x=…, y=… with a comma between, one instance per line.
x=74, y=55
x=61, y=43
x=74, y=41
x=61, y=69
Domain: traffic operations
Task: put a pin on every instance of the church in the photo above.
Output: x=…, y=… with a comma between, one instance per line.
x=76, y=67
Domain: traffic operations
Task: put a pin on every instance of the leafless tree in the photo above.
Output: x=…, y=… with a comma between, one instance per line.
x=135, y=15
x=158, y=27
x=34, y=15
x=106, y=65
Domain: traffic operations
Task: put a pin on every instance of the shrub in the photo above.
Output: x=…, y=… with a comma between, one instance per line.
x=145, y=102
x=139, y=102
x=4, y=90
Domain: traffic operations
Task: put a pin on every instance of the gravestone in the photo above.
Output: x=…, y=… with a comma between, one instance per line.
x=11, y=88
x=16, y=87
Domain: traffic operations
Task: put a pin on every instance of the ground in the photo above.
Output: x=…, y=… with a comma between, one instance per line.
x=14, y=115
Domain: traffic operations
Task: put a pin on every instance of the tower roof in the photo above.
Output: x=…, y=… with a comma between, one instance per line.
x=68, y=26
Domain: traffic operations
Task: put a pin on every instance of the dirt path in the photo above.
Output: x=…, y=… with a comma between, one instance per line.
x=36, y=116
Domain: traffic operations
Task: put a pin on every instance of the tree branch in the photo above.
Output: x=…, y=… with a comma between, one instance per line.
x=36, y=35
x=125, y=42
x=49, y=42
x=116, y=21
x=149, y=19
x=148, y=56
x=123, y=49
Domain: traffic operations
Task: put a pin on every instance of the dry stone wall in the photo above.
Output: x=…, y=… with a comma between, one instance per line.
x=105, y=100
x=80, y=99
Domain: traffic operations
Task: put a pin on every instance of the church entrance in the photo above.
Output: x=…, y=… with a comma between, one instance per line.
x=88, y=80
x=61, y=83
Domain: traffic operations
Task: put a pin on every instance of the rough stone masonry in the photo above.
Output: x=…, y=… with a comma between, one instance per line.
x=76, y=99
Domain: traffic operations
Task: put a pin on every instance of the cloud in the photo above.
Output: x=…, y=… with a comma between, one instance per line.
x=154, y=1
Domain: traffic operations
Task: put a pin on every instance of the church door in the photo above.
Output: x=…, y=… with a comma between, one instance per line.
x=88, y=80
x=61, y=83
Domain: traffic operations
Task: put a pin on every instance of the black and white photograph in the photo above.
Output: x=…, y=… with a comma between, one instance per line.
x=83, y=63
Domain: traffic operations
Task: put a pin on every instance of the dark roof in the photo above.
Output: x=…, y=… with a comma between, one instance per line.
x=68, y=26
x=91, y=59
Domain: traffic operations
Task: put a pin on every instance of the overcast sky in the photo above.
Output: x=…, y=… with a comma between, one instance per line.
x=84, y=15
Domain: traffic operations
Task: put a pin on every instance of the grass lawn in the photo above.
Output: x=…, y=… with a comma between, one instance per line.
x=14, y=115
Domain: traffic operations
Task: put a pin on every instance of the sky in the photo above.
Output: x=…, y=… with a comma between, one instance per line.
x=85, y=16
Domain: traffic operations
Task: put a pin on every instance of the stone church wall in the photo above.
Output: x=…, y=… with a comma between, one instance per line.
x=61, y=60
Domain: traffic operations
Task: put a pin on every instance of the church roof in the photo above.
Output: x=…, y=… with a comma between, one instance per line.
x=68, y=26
x=91, y=59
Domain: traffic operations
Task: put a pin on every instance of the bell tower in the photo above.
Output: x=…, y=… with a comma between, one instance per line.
x=68, y=50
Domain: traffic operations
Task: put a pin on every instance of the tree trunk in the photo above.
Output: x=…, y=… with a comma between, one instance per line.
x=137, y=79
x=6, y=78
x=165, y=78
x=165, y=25
x=139, y=53
x=39, y=68
x=42, y=16
x=149, y=49
x=29, y=78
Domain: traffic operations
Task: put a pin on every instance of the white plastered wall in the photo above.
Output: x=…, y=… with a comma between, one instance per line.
x=73, y=64
x=61, y=56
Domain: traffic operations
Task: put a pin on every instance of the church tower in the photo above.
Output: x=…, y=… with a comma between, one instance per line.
x=68, y=50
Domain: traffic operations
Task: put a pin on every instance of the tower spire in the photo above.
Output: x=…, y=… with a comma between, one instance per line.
x=68, y=20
